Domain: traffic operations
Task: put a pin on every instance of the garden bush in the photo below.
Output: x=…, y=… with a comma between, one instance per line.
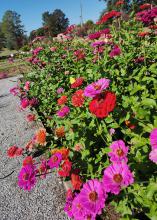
x=97, y=99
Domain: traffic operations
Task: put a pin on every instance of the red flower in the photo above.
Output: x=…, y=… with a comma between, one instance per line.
x=28, y=161
x=109, y=15
x=78, y=82
x=11, y=152
x=76, y=181
x=143, y=34
x=102, y=105
x=78, y=98
x=19, y=152
x=62, y=100
x=79, y=54
x=145, y=6
x=66, y=168
x=120, y=3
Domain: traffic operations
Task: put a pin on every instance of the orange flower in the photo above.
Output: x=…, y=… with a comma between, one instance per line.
x=64, y=151
x=40, y=136
x=60, y=132
x=76, y=181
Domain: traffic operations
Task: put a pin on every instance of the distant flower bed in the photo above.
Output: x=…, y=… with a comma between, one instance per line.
x=96, y=98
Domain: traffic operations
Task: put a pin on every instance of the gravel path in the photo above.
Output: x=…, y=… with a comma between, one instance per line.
x=46, y=200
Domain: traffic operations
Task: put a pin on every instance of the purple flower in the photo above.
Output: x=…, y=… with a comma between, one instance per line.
x=153, y=155
x=55, y=160
x=26, y=177
x=116, y=176
x=78, y=210
x=153, y=138
x=60, y=90
x=115, y=51
x=93, y=197
x=119, y=151
x=96, y=88
x=97, y=43
x=63, y=112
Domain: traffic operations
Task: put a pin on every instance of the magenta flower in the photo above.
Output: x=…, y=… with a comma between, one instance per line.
x=63, y=112
x=24, y=103
x=55, y=160
x=78, y=210
x=153, y=138
x=115, y=52
x=93, y=196
x=14, y=91
x=116, y=176
x=27, y=178
x=96, y=88
x=153, y=155
x=68, y=209
x=119, y=151
x=37, y=50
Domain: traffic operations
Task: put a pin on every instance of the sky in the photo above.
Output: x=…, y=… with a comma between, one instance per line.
x=31, y=10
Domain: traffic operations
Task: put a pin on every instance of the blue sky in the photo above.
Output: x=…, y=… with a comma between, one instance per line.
x=31, y=10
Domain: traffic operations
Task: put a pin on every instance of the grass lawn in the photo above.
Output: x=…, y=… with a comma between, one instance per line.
x=11, y=69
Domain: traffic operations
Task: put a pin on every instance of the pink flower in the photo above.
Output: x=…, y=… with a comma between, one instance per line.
x=55, y=160
x=116, y=176
x=112, y=131
x=60, y=90
x=115, y=52
x=93, y=196
x=37, y=50
x=78, y=210
x=27, y=86
x=53, y=49
x=119, y=151
x=14, y=91
x=63, y=112
x=24, y=103
x=153, y=138
x=26, y=177
x=153, y=155
x=96, y=88
x=43, y=169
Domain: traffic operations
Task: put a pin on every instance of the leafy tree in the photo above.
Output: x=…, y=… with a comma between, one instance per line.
x=2, y=39
x=56, y=22
x=13, y=30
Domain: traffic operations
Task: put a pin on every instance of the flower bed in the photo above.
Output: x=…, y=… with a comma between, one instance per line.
x=96, y=97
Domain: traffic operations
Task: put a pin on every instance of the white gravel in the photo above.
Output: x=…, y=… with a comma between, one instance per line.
x=46, y=200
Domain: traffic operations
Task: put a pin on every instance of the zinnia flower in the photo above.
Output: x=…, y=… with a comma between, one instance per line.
x=101, y=106
x=55, y=160
x=63, y=112
x=153, y=138
x=60, y=132
x=42, y=169
x=15, y=90
x=11, y=152
x=115, y=51
x=60, y=90
x=78, y=82
x=78, y=210
x=96, y=88
x=153, y=155
x=26, y=177
x=28, y=161
x=93, y=196
x=30, y=117
x=76, y=181
x=40, y=136
x=65, y=168
x=27, y=86
x=78, y=98
x=62, y=100
x=119, y=151
x=116, y=176
x=24, y=103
